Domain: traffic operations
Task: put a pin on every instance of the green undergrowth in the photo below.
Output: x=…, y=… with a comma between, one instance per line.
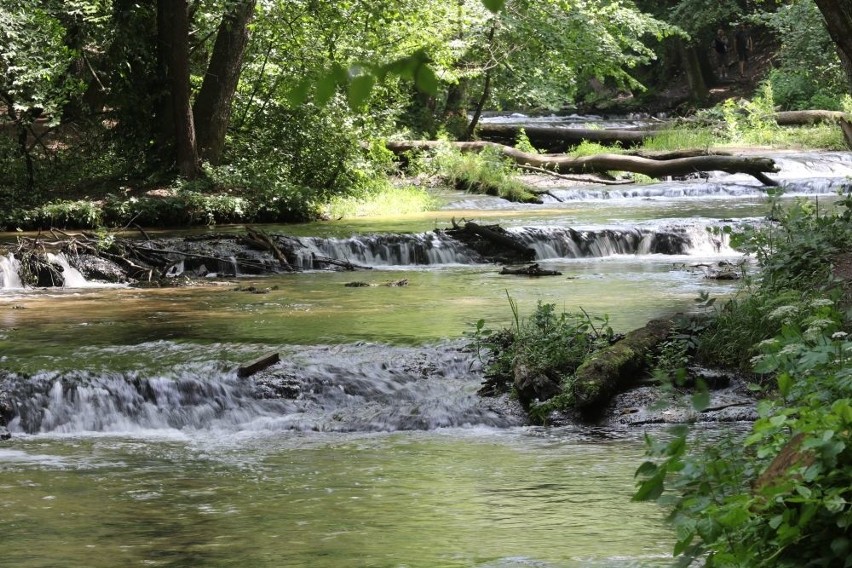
x=380, y=201
x=487, y=172
x=548, y=343
x=781, y=494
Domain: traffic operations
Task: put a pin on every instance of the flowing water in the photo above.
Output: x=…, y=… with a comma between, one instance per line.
x=134, y=442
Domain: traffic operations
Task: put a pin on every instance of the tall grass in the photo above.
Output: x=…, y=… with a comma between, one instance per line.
x=487, y=172
x=381, y=201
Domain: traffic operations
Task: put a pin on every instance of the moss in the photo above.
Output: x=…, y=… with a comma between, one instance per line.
x=616, y=367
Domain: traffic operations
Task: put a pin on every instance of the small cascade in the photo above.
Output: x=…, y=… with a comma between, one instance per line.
x=558, y=242
x=342, y=388
x=9, y=269
x=71, y=277
x=708, y=189
x=388, y=250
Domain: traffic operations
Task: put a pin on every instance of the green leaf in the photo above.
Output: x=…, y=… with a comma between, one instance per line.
x=776, y=521
x=650, y=489
x=840, y=546
x=297, y=95
x=647, y=468
x=494, y=5
x=701, y=399
x=359, y=90
x=785, y=383
x=426, y=80
x=325, y=88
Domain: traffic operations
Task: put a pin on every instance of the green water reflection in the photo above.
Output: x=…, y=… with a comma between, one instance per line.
x=315, y=308
x=430, y=499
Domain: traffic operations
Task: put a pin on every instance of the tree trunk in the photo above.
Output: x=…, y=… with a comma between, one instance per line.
x=174, y=39
x=838, y=20
x=212, y=110
x=486, y=87
x=692, y=66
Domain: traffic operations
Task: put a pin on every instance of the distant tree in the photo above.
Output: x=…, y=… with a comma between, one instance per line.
x=838, y=20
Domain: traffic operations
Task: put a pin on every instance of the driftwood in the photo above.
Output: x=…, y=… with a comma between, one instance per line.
x=498, y=237
x=258, y=365
x=345, y=264
x=532, y=270
x=265, y=242
x=755, y=166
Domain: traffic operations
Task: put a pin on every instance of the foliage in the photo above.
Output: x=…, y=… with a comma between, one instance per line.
x=383, y=199
x=782, y=496
x=547, y=343
x=586, y=148
x=809, y=74
x=523, y=143
x=487, y=172
x=683, y=137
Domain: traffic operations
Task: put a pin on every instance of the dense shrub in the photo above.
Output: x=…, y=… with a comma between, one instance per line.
x=782, y=495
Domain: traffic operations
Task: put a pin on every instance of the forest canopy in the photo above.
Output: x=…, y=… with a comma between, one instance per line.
x=277, y=98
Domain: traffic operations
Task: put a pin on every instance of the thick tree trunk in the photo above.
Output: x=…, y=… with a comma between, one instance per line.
x=600, y=163
x=212, y=110
x=838, y=20
x=174, y=39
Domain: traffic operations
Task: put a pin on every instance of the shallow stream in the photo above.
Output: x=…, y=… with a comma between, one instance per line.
x=136, y=443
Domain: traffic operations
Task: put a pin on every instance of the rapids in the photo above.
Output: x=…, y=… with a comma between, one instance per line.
x=134, y=441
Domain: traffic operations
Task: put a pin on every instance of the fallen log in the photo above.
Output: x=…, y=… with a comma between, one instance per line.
x=754, y=166
x=587, y=178
x=499, y=238
x=265, y=242
x=532, y=270
x=345, y=264
x=615, y=368
x=553, y=137
x=807, y=117
x=258, y=365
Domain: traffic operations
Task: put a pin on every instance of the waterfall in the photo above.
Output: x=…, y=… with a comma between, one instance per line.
x=340, y=388
x=559, y=242
x=9, y=268
x=389, y=250
x=71, y=277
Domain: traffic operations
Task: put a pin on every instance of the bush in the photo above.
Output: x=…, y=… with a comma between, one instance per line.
x=487, y=172
x=782, y=496
x=547, y=343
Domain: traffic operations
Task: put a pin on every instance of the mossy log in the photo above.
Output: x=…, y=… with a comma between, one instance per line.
x=754, y=166
x=615, y=368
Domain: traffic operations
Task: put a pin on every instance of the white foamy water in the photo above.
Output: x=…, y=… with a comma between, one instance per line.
x=9, y=268
x=71, y=277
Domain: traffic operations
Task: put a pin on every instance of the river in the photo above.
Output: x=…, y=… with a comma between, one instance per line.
x=136, y=444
